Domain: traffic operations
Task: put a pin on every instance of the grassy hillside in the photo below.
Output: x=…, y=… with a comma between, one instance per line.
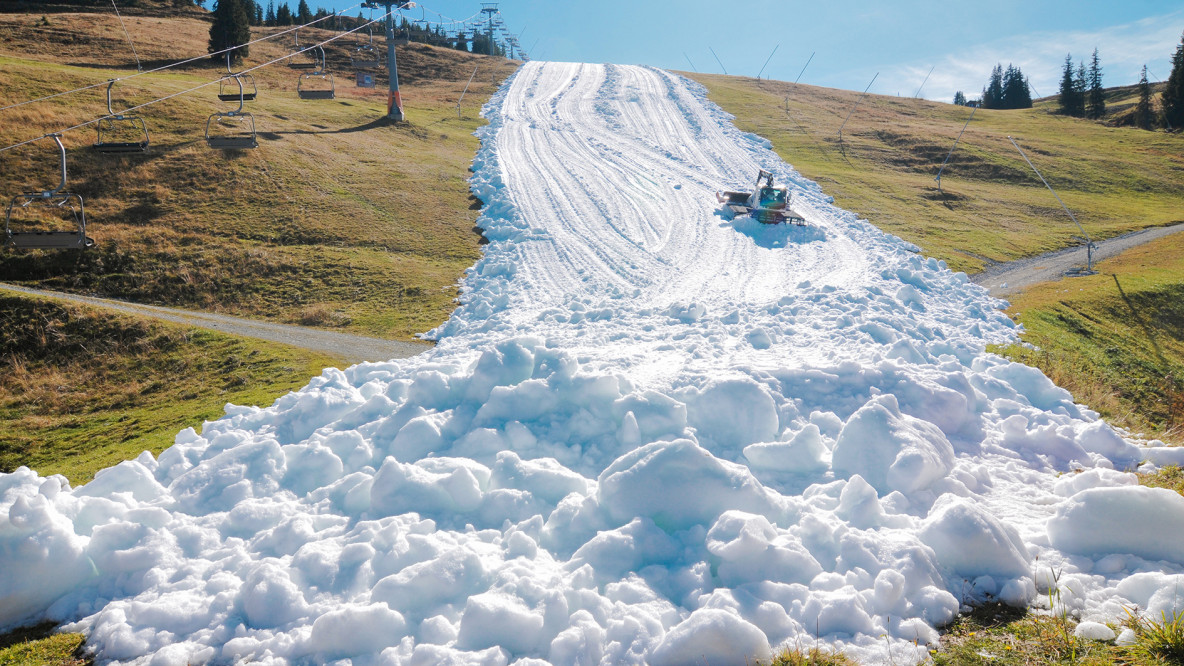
x=85, y=389
x=337, y=219
x=1115, y=339
x=992, y=207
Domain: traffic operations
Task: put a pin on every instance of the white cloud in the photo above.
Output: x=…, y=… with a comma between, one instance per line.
x=1122, y=50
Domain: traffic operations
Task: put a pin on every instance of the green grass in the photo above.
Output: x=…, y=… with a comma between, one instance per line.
x=992, y=207
x=85, y=389
x=1115, y=339
x=38, y=646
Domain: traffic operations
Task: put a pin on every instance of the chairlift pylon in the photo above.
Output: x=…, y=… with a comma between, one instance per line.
x=317, y=84
x=114, y=133
x=241, y=137
x=53, y=202
x=226, y=89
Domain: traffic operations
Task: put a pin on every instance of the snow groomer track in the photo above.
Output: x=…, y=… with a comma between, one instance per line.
x=649, y=434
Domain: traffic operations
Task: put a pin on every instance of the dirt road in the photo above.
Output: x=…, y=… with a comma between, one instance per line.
x=351, y=348
x=1013, y=276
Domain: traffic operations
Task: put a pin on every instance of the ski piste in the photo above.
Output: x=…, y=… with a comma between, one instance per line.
x=648, y=434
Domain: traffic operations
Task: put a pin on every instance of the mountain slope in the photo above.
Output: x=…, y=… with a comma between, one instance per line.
x=618, y=452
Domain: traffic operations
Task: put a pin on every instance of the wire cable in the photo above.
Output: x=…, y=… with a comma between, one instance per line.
x=175, y=64
x=194, y=88
x=129, y=37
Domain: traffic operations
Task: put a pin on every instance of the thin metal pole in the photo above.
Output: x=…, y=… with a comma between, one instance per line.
x=918, y=93
x=943, y=164
x=1089, y=244
x=684, y=54
x=462, y=94
x=129, y=37
x=758, y=74
x=721, y=65
x=857, y=103
x=804, y=67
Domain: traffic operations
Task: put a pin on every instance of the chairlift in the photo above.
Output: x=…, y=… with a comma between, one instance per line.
x=235, y=130
x=55, y=204
x=117, y=133
x=318, y=84
x=296, y=51
x=226, y=89
x=366, y=56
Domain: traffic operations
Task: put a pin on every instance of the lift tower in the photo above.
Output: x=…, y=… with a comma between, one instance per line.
x=394, y=102
x=490, y=8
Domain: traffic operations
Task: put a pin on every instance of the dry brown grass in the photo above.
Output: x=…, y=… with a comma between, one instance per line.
x=335, y=207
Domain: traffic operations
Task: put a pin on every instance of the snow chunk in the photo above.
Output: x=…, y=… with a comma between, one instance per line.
x=1148, y=522
x=805, y=453
x=734, y=413
x=355, y=630
x=651, y=481
x=891, y=450
x=1094, y=631
x=713, y=635
x=971, y=542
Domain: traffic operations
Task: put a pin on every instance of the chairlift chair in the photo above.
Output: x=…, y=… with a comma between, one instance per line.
x=55, y=203
x=117, y=133
x=366, y=56
x=318, y=84
x=247, y=91
x=297, y=51
x=236, y=128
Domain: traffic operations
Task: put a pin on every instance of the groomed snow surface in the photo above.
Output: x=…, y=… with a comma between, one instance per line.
x=649, y=434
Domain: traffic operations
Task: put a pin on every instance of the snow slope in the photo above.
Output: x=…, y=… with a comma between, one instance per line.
x=649, y=434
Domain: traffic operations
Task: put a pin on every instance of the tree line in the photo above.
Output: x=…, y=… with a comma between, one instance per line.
x=1082, y=95
x=233, y=20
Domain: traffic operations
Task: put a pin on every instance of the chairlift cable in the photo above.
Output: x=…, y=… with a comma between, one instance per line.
x=129, y=37
x=176, y=94
x=175, y=64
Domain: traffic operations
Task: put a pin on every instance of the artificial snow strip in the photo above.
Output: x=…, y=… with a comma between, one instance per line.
x=649, y=434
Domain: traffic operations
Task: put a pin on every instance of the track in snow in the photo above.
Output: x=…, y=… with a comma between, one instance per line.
x=648, y=435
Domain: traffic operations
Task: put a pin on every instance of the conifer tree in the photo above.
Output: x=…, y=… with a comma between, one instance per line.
x=303, y=13
x=283, y=15
x=1068, y=91
x=959, y=98
x=1173, y=94
x=993, y=92
x=1143, y=111
x=269, y=17
x=1096, y=100
x=1015, y=90
x=231, y=27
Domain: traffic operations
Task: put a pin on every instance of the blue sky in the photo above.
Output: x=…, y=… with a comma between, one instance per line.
x=852, y=41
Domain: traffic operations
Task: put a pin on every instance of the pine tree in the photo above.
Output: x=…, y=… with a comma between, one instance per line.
x=1096, y=101
x=1068, y=91
x=993, y=93
x=269, y=17
x=1015, y=90
x=1173, y=94
x=959, y=98
x=231, y=27
x=1143, y=110
x=303, y=13
x=283, y=15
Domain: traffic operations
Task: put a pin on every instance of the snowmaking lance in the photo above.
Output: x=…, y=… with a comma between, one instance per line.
x=765, y=203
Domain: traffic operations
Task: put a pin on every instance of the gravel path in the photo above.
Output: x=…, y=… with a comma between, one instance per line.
x=352, y=348
x=1013, y=276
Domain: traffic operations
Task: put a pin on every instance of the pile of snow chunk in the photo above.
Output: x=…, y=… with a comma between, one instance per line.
x=638, y=478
